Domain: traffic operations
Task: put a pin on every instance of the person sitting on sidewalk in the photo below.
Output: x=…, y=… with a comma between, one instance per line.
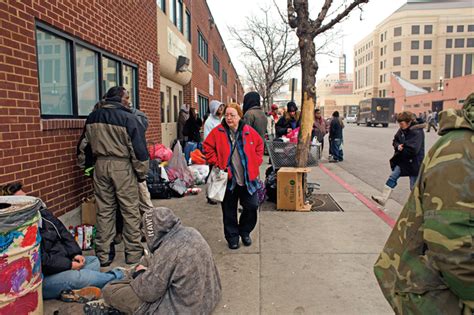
x=179, y=277
x=409, y=146
x=289, y=121
x=67, y=273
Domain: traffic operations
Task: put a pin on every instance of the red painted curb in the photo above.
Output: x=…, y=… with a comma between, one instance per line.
x=372, y=206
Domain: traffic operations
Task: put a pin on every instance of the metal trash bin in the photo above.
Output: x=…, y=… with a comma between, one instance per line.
x=20, y=260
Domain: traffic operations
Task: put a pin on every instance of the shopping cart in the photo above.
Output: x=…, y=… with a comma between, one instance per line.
x=283, y=154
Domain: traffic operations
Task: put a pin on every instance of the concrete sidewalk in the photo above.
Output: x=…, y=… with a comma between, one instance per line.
x=312, y=263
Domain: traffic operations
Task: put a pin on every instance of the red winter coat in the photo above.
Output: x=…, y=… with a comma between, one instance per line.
x=217, y=148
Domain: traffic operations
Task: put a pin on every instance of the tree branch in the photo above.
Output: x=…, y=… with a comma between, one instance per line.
x=338, y=18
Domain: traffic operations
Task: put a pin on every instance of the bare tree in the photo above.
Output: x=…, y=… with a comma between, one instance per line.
x=308, y=31
x=270, y=52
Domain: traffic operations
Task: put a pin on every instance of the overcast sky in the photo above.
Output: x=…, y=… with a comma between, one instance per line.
x=232, y=13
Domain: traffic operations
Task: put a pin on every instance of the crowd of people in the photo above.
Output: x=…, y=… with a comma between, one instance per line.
x=170, y=267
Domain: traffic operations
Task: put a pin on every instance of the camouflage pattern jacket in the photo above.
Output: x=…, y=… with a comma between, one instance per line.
x=427, y=264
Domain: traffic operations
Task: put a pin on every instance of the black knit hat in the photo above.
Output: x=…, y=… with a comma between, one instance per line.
x=10, y=189
x=291, y=107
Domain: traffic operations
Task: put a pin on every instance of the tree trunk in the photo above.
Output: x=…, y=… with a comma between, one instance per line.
x=309, y=68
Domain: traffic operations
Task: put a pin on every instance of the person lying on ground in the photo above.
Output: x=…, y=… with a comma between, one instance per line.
x=67, y=273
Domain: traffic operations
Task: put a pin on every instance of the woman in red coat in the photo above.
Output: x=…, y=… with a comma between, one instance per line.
x=246, y=145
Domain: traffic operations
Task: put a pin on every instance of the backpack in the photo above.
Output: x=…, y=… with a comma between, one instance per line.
x=157, y=186
x=271, y=184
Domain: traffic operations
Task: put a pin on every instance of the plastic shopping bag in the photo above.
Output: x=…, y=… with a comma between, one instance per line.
x=217, y=185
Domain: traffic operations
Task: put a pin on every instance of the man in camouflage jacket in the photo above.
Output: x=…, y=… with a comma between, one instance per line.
x=427, y=264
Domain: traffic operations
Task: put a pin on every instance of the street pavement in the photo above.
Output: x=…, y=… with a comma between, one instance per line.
x=299, y=263
x=367, y=151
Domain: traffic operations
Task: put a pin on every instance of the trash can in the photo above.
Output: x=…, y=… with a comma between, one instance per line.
x=20, y=260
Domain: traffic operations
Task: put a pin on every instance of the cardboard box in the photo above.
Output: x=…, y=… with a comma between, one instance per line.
x=291, y=189
x=88, y=208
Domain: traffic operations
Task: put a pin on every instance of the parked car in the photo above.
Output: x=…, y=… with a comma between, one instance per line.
x=351, y=118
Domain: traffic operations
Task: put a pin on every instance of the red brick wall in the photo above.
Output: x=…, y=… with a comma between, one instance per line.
x=41, y=152
x=200, y=21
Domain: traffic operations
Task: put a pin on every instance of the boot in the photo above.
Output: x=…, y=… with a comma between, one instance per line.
x=382, y=200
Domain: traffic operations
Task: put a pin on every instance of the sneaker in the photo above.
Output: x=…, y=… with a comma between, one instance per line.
x=83, y=295
x=99, y=307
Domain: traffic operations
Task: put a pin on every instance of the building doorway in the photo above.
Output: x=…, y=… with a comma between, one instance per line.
x=437, y=106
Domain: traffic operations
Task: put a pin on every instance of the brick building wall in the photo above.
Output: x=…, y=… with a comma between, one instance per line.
x=41, y=152
x=200, y=20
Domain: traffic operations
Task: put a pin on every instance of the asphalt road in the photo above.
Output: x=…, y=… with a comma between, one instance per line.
x=367, y=151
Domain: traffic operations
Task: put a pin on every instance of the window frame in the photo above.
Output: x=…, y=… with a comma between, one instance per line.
x=202, y=40
x=162, y=5
x=428, y=26
x=72, y=41
x=395, y=31
x=188, y=25
x=412, y=45
x=430, y=44
x=413, y=28
x=216, y=65
x=413, y=72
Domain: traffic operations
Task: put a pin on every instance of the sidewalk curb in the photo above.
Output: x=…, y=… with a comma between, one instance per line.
x=369, y=204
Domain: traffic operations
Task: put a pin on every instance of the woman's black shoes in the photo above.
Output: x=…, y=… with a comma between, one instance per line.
x=246, y=240
x=234, y=245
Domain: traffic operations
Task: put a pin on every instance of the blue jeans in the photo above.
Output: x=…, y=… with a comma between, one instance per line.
x=89, y=275
x=335, y=149
x=393, y=178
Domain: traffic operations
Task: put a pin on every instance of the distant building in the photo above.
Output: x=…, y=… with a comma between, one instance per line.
x=421, y=42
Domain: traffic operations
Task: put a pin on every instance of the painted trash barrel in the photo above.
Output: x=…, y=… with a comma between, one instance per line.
x=20, y=260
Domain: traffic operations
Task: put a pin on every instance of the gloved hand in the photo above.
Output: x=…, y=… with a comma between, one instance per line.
x=89, y=171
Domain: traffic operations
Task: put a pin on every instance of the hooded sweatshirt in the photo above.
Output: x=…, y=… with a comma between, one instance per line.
x=182, y=277
x=254, y=116
x=212, y=121
x=429, y=252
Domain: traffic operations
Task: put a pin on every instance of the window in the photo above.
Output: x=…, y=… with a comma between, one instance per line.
x=381, y=64
x=457, y=65
x=173, y=11
x=460, y=28
x=187, y=26
x=426, y=75
x=397, y=46
x=459, y=43
x=179, y=16
x=397, y=31
x=381, y=51
x=397, y=61
x=224, y=77
x=87, y=83
x=414, y=60
x=415, y=44
x=449, y=43
x=470, y=28
x=216, y=65
x=168, y=105
x=162, y=5
x=203, y=105
x=415, y=29
x=162, y=106
x=413, y=75
x=447, y=67
x=397, y=73
x=428, y=29
x=427, y=44
x=449, y=29
x=426, y=60
x=71, y=88
x=175, y=108
x=470, y=42
x=468, y=69
x=202, y=47
x=381, y=38
x=54, y=75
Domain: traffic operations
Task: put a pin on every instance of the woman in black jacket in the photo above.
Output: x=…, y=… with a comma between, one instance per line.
x=409, y=146
x=192, y=127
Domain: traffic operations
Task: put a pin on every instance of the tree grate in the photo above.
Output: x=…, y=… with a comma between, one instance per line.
x=324, y=203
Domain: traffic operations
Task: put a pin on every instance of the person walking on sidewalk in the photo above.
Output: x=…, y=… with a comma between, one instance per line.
x=409, y=146
x=180, y=277
x=215, y=118
x=319, y=128
x=289, y=121
x=67, y=274
x=117, y=141
x=431, y=121
x=335, y=139
x=427, y=265
x=254, y=116
x=237, y=148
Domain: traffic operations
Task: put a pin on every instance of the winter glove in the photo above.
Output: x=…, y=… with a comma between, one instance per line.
x=89, y=171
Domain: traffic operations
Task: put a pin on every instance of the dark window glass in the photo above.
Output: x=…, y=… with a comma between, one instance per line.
x=162, y=106
x=203, y=105
x=449, y=29
x=427, y=44
x=470, y=42
x=87, y=79
x=414, y=60
x=449, y=43
x=224, y=77
x=162, y=5
x=426, y=75
x=459, y=43
x=187, y=26
x=397, y=31
x=457, y=65
x=415, y=44
x=397, y=46
x=179, y=16
x=415, y=29
x=428, y=29
x=460, y=28
x=426, y=60
x=468, y=69
x=470, y=28
x=413, y=75
x=202, y=47
x=397, y=61
x=447, y=67
x=216, y=65
x=397, y=73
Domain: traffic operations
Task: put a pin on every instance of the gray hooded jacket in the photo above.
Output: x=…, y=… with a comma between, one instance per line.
x=182, y=277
